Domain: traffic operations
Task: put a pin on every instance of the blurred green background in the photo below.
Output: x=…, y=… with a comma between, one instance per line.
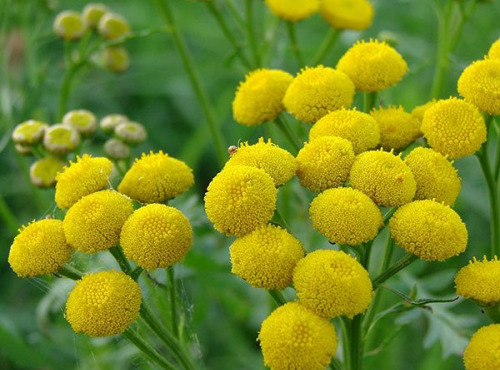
x=221, y=309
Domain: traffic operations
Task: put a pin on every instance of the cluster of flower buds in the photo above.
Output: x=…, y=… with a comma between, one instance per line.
x=123, y=135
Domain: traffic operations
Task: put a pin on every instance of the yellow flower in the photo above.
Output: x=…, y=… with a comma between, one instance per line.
x=82, y=120
x=93, y=12
x=357, y=127
x=293, y=10
x=332, y=283
x=103, y=304
x=156, y=177
x=61, y=139
x=259, y=98
x=266, y=257
x=454, y=127
x=317, y=91
x=113, y=26
x=373, y=65
x=435, y=176
x=418, y=111
x=39, y=249
x=494, y=52
x=277, y=162
x=398, y=128
x=131, y=133
x=347, y=14
x=43, y=172
x=116, y=60
x=384, y=177
x=29, y=132
x=94, y=223
x=69, y=25
x=482, y=352
x=325, y=163
x=240, y=199
x=480, y=281
x=83, y=177
x=479, y=84
x=293, y=337
x=156, y=236
x=429, y=230
x=108, y=123
x=345, y=216
x=116, y=149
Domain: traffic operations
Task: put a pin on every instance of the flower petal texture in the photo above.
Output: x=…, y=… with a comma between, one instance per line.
x=398, y=128
x=418, y=111
x=483, y=350
x=480, y=281
x=293, y=10
x=347, y=14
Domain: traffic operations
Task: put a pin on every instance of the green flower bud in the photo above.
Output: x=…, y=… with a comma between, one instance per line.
x=82, y=120
x=29, y=132
x=69, y=25
x=116, y=60
x=113, y=26
x=43, y=172
x=116, y=149
x=132, y=133
x=109, y=122
x=61, y=139
x=93, y=12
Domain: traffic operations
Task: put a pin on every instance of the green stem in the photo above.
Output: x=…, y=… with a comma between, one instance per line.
x=292, y=33
x=70, y=272
x=67, y=83
x=327, y=44
x=251, y=32
x=277, y=297
x=367, y=253
x=369, y=101
x=117, y=253
x=288, y=133
x=356, y=347
x=189, y=65
x=389, y=214
x=346, y=348
x=147, y=349
x=173, y=300
x=8, y=216
x=406, y=260
x=234, y=12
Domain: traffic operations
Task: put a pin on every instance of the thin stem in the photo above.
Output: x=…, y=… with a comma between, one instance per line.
x=389, y=214
x=149, y=351
x=121, y=259
x=277, y=297
x=173, y=300
x=346, y=348
x=65, y=92
x=369, y=101
x=288, y=133
x=251, y=32
x=70, y=272
x=8, y=216
x=189, y=65
x=234, y=12
x=356, y=347
x=394, y=269
x=327, y=44
x=292, y=33
x=367, y=253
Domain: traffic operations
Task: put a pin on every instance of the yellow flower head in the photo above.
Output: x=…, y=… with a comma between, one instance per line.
x=108, y=123
x=277, y=162
x=435, y=176
x=483, y=350
x=116, y=60
x=494, y=52
x=131, y=133
x=39, y=249
x=384, y=177
x=240, y=199
x=156, y=236
x=325, y=163
x=345, y=216
x=113, y=26
x=93, y=12
x=259, y=98
x=373, y=65
x=347, y=14
x=29, y=132
x=398, y=128
x=116, y=149
x=480, y=281
x=479, y=84
x=418, y=111
x=293, y=337
x=43, y=172
x=266, y=257
x=103, y=304
x=317, y=91
x=454, y=127
x=332, y=283
x=82, y=120
x=94, y=223
x=430, y=230
x=156, y=177
x=69, y=25
x=293, y=10
x=357, y=127
x=61, y=139
x=83, y=177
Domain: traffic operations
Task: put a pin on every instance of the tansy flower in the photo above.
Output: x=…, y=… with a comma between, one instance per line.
x=418, y=111
x=277, y=162
x=345, y=216
x=454, y=127
x=482, y=352
x=324, y=163
x=131, y=133
x=398, y=128
x=103, y=304
x=266, y=257
x=113, y=26
x=357, y=127
x=479, y=84
x=429, y=230
x=293, y=10
x=94, y=223
x=480, y=281
x=347, y=14
x=69, y=25
x=494, y=52
x=83, y=177
x=39, y=249
x=43, y=172
x=317, y=91
x=29, y=132
x=384, y=177
x=259, y=98
x=61, y=139
x=116, y=149
x=82, y=120
x=93, y=12
x=293, y=337
x=435, y=176
x=240, y=199
x=116, y=60
x=372, y=65
x=156, y=177
x=109, y=122
x=332, y=283
x=156, y=236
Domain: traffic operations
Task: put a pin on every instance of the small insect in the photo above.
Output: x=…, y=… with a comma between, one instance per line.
x=232, y=149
